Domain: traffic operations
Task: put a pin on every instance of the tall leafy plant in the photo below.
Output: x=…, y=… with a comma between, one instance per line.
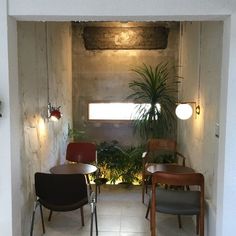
x=154, y=86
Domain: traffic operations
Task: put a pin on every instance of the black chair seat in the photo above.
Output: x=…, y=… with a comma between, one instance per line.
x=177, y=202
x=64, y=207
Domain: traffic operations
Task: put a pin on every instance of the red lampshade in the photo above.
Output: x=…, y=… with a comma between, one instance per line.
x=55, y=114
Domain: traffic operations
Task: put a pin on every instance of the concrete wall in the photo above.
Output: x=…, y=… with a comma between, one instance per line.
x=43, y=142
x=103, y=75
x=196, y=136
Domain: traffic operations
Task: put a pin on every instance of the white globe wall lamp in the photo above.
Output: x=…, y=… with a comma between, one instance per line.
x=184, y=110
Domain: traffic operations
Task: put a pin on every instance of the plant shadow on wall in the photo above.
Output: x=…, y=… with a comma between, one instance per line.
x=156, y=92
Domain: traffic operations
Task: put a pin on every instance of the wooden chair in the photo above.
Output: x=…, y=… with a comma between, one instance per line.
x=157, y=147
x=176, y=201
x=85, y=152
x=63, y=192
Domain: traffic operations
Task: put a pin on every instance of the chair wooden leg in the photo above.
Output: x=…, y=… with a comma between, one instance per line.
x=148, y=209
x=153, y=224
x=50, y=216
x=197, y=224
x=143, y=186
x=82, y=215
x=201, y=223
x=179, y=221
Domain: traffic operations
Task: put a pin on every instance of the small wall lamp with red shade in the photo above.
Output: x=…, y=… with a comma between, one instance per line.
x=54, y=113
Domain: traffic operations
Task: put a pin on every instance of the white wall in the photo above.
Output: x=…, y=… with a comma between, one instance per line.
x=120, y=9
x=184, y=10
x=9, y=126
x=226, y=181
x=196, y=136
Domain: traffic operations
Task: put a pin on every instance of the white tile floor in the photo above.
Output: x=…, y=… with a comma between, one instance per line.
x=120, y=213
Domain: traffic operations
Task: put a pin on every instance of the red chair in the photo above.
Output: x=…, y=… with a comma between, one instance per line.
x=85, y=152
x=81, y=152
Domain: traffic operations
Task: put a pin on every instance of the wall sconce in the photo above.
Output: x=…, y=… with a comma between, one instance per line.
x=0, y=109
x=54, y=113
x=184, y=110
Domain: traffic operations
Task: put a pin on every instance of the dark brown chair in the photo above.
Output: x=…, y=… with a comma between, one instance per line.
x=85, y=152
x=157, y=147
x=177, y=201
x=63, y=192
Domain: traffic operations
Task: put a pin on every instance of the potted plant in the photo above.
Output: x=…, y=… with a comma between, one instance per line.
x=158, y=91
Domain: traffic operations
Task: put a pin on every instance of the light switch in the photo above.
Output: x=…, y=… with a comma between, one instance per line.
x=217, y=130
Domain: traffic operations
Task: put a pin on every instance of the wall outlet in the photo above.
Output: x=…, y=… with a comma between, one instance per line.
x=217, y=130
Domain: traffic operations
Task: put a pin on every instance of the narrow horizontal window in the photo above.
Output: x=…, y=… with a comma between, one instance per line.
x=114, y=110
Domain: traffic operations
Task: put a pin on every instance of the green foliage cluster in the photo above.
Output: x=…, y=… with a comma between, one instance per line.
x=120, y=163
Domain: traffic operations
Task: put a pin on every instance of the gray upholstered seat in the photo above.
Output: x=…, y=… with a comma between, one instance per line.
x=177, y=202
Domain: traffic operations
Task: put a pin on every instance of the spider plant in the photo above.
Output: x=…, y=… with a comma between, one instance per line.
x=154, y=86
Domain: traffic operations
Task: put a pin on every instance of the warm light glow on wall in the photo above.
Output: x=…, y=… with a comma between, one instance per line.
x=41, y=127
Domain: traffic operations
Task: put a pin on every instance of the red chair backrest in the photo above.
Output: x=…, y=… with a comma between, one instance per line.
x=81, y=152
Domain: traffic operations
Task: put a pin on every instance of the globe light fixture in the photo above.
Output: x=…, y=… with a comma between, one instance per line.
x=184, y=111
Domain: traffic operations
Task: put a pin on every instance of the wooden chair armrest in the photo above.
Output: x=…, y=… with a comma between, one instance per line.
x=178, y=154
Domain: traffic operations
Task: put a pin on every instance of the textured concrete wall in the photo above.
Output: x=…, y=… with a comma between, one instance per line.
x=43, y=142
x=196, y=136
x=103, y=75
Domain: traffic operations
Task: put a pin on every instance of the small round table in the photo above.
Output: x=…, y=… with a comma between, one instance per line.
x=74, y=168
x=172, y=168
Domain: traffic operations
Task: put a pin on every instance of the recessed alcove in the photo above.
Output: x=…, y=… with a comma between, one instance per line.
x=78, y=76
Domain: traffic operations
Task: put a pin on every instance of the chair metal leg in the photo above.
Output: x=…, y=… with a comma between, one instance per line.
x=33, y=216
x=96, y=191
x=93, y=215
x=96, y=219
x=50, y=215
x=82, y=215
x=91, y=226
x=41, y=213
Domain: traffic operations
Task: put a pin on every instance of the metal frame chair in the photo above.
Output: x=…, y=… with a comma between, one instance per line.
x=63, y=192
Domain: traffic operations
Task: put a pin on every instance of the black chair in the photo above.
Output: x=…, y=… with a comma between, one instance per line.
x=63, y=192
